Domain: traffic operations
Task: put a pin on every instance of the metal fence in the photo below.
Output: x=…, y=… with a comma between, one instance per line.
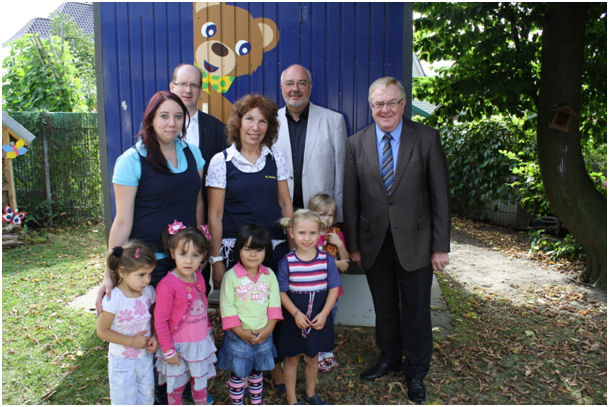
x=58, y=181
x=502, y=213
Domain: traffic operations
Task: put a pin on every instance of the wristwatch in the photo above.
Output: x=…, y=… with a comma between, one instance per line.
x=214, y=259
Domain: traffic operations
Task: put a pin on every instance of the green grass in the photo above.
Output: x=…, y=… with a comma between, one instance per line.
x=50, y=352
x=499, y=354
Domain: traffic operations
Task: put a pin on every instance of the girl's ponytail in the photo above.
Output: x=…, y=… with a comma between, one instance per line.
x=301, y=214
x=131, y=256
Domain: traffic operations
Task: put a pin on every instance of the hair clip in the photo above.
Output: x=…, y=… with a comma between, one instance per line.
x=137, y=253
x=205, y=231
x=175, y=227
x=117, y=251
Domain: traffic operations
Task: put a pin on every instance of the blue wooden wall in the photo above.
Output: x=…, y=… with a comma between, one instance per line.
x=345, y=46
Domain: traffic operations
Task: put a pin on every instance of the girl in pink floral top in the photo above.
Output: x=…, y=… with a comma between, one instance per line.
x=125, y=322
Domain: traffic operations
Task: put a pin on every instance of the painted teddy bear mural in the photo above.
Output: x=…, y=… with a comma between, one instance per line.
x=228, y=42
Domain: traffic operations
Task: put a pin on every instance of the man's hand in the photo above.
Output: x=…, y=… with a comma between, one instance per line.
x=439, y=260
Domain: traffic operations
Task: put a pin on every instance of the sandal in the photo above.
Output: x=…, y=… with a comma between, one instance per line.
x=316, y=400
x=279, y=387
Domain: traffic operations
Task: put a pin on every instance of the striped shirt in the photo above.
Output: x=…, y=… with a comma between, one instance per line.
x=297, y=275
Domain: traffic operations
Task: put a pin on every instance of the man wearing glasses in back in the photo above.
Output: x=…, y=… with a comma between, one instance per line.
x=312, y=140
x=203, y=130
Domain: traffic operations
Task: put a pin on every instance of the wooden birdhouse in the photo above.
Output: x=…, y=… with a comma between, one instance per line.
x=15, y=142
x=562, y=119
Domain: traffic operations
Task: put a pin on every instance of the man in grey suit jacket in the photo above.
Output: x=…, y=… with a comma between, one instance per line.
x=397, y=223
x=312, y=140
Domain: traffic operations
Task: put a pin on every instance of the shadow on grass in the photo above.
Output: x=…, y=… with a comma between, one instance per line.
x=499, y=354
x=87, y=380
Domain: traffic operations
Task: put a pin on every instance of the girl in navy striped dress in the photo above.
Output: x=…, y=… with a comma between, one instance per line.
x=308, y=282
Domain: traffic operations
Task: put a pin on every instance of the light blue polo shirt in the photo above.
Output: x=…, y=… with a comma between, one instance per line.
x=127, y=169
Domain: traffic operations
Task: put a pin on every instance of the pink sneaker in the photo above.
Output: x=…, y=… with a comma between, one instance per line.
x=332, y=362
x=324, y=366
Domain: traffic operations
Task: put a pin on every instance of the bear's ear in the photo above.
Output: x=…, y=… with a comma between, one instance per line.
x=201, y=6
x=270, y=34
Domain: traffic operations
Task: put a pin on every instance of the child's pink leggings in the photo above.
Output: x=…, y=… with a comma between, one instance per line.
x=198, y=396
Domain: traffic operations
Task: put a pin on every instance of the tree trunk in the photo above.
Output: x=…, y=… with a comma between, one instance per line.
x=571, y=192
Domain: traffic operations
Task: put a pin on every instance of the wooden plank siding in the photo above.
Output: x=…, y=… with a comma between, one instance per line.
x=345, y=46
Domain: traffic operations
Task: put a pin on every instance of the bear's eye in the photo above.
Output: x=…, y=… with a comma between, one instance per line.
x=243, y=48
x=209, y=29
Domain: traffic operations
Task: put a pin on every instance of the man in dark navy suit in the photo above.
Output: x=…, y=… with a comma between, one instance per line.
x=203, y=130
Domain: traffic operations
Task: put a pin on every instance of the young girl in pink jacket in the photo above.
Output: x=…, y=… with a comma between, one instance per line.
x=187, y=351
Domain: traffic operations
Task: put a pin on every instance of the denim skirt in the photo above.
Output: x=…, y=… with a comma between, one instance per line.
x=242, y=358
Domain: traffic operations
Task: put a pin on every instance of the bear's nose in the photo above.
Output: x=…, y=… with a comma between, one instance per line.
x=219, y=49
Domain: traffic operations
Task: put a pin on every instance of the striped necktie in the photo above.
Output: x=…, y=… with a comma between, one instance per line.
x=387, y=161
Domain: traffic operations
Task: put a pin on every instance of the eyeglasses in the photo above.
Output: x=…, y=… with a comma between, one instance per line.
x=186, y=85
x=390, y=104
x=300, y=84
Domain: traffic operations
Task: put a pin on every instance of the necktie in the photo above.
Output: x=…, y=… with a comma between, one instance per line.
x=387, y=163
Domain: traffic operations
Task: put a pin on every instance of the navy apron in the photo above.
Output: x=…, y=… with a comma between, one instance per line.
x=252, y=198
x=162, y=198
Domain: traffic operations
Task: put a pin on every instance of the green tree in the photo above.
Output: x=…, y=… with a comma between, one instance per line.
x=529, y=60
x=55, y=74
x=83, y=51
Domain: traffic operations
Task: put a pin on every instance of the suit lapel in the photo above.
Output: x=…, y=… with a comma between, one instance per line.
x=283, y=141
x=407, y=141
x=312, y=133
x=371, y=152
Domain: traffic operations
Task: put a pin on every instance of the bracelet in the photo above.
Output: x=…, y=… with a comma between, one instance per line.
x=296, y=313
x=215, y=259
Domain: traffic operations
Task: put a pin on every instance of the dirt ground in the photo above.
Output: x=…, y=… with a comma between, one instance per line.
x=497, y=263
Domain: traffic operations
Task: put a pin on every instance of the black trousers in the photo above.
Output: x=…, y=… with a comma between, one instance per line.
x=402, y=306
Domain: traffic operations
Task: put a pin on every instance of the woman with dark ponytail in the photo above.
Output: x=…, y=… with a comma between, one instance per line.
x=155, y=182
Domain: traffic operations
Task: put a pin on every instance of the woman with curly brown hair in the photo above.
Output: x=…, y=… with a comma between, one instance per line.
x=247, y=182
